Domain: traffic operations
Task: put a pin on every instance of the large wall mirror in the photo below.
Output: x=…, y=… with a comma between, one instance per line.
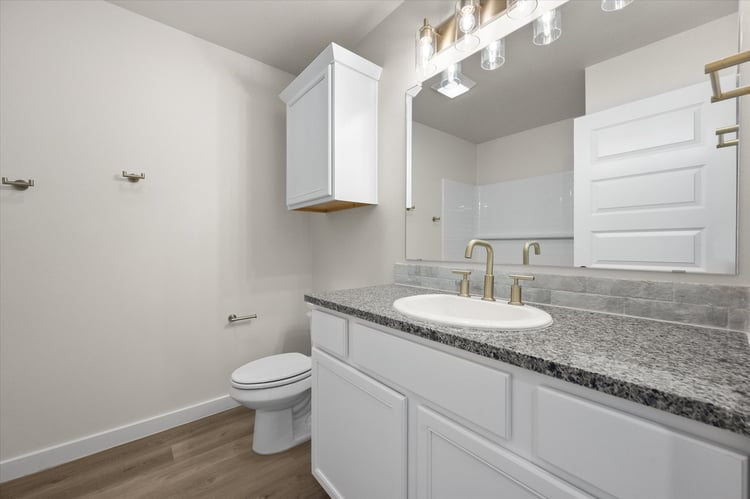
x=506, y=161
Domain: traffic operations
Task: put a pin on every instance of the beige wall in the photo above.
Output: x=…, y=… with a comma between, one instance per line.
x=659, y=67
x=359, y=248
x=436, y=155
x=540, y=151
x=115, y=296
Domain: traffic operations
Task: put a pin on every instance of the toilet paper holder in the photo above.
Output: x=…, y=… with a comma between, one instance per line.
x=235, y=318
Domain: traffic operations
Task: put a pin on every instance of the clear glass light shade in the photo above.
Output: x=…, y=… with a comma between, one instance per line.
x=613, y=5
x=426, y=44
x=467, y=22
x=493, y=55
x=521, y=9
x=547, y=27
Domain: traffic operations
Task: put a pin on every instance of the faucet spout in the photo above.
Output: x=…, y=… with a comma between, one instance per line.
x=526, y=247
x=489, y=277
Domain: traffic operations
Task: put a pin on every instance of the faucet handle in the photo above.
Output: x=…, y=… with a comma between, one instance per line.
x=464, y=288
x=515, y=288
x=517, y=277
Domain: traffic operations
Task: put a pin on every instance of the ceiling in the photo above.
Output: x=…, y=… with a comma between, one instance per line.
x=286, y=34
x=541, y=85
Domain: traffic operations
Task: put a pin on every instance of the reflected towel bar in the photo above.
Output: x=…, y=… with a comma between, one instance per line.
x=712, y=69
x=720, y=132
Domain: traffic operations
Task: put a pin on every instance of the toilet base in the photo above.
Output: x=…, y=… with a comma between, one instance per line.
x=277, y=431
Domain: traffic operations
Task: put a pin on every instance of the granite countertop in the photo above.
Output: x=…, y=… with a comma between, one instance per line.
x=699, y=373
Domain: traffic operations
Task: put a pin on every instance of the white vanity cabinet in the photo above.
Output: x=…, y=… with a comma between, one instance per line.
x=395, y=415
x=331, y=112
x=359, y=430
x=453, y=461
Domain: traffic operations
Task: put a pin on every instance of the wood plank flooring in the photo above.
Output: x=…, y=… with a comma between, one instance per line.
x=208, y=458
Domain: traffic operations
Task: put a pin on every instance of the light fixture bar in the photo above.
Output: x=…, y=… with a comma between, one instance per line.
x=488, y=10
x=498, y=26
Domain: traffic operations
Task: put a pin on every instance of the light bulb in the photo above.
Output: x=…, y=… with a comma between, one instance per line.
x=426, y=48
x=467, y=19
x=467, y=22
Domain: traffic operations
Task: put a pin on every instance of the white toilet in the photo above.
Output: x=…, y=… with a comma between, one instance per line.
x=278, y=388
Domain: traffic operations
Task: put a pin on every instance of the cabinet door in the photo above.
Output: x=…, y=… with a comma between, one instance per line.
x=358, y=433
x=631, y=458
x=308, y=127
x=455, y=462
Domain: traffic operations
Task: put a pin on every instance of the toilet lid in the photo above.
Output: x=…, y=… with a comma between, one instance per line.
x=285, y=366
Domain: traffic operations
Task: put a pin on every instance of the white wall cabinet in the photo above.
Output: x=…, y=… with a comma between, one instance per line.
x=479, y=428
x=332, y=111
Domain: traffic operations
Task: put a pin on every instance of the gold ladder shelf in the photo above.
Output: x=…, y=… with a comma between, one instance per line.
x=712, y=69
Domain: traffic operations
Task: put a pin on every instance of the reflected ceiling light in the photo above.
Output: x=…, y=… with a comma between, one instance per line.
x=467, y=22
x=547, y=27
x=453, y=82
x=520, y=9
x=613, y=5
x=493, y=55
x=426, y=45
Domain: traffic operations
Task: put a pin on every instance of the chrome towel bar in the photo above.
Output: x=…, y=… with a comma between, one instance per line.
x=234, y=318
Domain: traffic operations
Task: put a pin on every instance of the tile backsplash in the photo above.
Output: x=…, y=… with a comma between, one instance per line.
x=726, y=307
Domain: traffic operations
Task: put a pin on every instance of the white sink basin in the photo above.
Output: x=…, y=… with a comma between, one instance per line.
x=472, y=312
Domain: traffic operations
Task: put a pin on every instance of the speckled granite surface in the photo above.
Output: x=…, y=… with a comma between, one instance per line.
x=698, y=373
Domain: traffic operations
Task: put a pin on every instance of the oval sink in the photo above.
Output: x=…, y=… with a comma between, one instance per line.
x=472, y=312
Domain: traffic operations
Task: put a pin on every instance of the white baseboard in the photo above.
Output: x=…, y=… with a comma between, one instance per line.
x=69, y=451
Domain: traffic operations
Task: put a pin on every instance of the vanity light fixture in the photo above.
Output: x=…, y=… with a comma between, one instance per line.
x=426, y=46
x=547, y=27
x=613, y=5
x=493, y=55
x=467, y=22
x=521, y=9
x=453, y=82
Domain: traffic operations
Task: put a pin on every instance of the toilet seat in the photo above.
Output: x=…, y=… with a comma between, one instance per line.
x=273, y=371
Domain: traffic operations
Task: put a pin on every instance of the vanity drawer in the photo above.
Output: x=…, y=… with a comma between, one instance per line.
x=328, y=332
x=472, y=391
x=629, y=457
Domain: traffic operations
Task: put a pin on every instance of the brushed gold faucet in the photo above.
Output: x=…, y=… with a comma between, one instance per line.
x=489, y=277
x=529, y=244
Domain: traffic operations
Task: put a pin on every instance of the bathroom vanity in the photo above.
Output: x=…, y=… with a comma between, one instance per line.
x=594, y=405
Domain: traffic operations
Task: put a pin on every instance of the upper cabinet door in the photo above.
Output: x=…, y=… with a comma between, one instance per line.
x=332, y=119
x=308, y=126
x=652, y=191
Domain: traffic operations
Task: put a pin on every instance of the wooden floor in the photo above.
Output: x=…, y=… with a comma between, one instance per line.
x=209, y=458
